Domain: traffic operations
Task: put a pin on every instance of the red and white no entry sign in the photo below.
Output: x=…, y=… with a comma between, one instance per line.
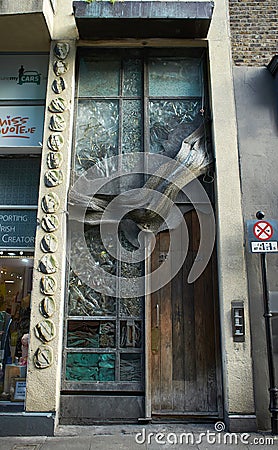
x=263, y=230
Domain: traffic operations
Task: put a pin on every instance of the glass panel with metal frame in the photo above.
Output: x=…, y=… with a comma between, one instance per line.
x=127, y=102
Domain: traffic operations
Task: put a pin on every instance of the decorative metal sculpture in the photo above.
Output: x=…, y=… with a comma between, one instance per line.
x=188, y=163
x=48, y=264
x=55, y=142
x=50, y=223
x=59, y=85
x=61, y=50
x=54, y=160
x=57, y=105
x=48, y=285
x=49, y=243
x=57, y=123
x=50, y=203
x=45, y=330
x=47, y=307
x=43, y=357
x=60, y=68
x=53, y=178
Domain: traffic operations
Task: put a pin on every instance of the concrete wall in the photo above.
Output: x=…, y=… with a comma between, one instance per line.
x=253, y=30
x=43, y=386
x=26, y=25
x=257, y=121
x=236, y=357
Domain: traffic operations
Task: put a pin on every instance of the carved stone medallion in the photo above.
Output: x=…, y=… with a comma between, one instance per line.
x=48, y=285
x=53, y=178
x=59, y=85
x=55, y=142
x=50, y=203
x=58, y=105
x=50, y=223
x=43, y=357
x=48, y=264
x=45, y=330
x=61, y=50
x=57, y=123
x=60, y=68
x=47, y=307
x=49, y=243
x=54, y=160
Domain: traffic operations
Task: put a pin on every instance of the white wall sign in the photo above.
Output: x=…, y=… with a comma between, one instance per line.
x=21, y=126
x=23, y=77
x=262, y=236
x=19, y=389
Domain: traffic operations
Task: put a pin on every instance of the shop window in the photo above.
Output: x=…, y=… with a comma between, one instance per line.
x=15, y=296
x=22, y=103
x=18, y=218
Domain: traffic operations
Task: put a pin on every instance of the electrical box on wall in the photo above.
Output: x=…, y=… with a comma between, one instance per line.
x=238, y=326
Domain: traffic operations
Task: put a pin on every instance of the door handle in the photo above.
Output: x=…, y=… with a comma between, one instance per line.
x=157, y=315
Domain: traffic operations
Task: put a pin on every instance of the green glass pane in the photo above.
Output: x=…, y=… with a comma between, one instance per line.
x=90, y=367
x=92, y=267
x=132, y=77
x=98, y=77
x=131, y=333
x=96, y=133
x=131, y=307
x=107, y=334
x=90, y=334
x=85, y=301
x=100, y=253
x=175, y=77
x=170, y=123
x=132, y=143
x=130, y=367
x=132, y=126
x=130, y=269
x=83, y=334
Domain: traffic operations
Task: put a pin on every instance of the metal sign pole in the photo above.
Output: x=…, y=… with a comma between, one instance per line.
x=273, y=390
x=262, y=237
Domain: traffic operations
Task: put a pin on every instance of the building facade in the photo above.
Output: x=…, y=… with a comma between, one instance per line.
x=134, y=114
x=254, y=51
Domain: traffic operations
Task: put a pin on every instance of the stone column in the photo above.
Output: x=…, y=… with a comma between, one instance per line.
x=48, y=294
x=236, y=356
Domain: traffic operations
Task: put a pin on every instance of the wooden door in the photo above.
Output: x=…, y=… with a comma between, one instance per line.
x=185, y=356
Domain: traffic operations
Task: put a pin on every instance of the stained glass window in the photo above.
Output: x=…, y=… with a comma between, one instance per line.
x=127, y=102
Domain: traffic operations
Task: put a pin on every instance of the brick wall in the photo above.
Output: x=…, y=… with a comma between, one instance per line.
x=254, y=31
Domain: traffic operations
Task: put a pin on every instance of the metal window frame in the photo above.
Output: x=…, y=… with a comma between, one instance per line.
x=145, y=55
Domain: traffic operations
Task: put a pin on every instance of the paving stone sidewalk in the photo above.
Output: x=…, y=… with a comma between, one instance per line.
x=145, y=437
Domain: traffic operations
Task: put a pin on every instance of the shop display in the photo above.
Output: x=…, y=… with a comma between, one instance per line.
x=15, y=287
